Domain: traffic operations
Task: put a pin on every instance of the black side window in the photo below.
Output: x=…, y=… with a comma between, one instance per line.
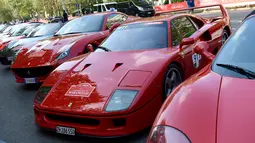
x=95, y=8
x=99, y=8
x=115, y=18
x=184, y=26
x=197, y=22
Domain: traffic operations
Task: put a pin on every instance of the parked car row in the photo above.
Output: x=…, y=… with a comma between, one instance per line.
x=108, y=74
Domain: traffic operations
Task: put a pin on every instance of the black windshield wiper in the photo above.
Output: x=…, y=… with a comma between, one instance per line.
x=240, y=70
x=104, y=48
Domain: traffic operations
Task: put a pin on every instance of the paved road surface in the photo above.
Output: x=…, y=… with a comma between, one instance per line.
x=16, y=112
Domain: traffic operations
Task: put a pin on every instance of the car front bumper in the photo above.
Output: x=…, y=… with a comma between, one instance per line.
x=100, y=126
x=38, y=73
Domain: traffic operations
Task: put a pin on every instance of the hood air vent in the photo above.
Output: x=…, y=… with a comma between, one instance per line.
x=117, y=66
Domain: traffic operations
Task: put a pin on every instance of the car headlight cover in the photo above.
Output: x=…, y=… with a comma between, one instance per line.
x=63, y=55
x=166, y=134
x=121, y=100
x=65, y=52
x=41, y=94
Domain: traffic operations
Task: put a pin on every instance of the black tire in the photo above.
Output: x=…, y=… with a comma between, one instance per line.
x=4, y=61
x=168, y=79
x=224, y=36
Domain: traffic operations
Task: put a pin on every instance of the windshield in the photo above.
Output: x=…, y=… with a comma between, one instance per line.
x=239, y=50
x=2, y=27
x=29, y=29
x=46, y=30
x=8, y=29
x=141, y=2
x=139, y=36
x=89, y=23
x=18, y=30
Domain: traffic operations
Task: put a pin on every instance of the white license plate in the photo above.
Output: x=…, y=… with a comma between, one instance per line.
x=65, y=130
x=30, y=80
x=10, y=58
x=149, y=12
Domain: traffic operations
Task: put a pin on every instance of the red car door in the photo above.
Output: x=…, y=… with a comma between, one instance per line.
x=181, y=28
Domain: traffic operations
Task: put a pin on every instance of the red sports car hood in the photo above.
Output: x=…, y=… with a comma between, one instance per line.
x=236, y=111
x=45, y=52
x=102, y=73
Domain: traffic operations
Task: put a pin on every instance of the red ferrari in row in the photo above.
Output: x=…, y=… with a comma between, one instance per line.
x=34, y=63
x=118, y=89
x=215, y=105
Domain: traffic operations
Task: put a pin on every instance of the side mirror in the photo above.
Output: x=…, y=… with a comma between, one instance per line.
x=201, y=49
x=113, y=27
x=187, y=41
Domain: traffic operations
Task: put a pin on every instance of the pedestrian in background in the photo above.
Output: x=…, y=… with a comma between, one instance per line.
x=112, y=9
x=65, y=16
x=191, y=4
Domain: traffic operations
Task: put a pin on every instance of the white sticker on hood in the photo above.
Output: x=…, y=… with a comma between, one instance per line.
x=82, y=90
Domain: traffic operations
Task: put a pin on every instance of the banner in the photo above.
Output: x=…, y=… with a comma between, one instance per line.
x=210, y=2
x=182, y=5
x=174, y=6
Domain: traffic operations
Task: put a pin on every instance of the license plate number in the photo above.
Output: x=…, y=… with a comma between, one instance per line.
x=10, y=58
x=149, y=12
x=30, y=80
x=65, y=130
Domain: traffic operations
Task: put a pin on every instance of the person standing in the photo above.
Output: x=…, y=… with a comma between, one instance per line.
x=65, y=16
x=191, y=4
x=112, y=9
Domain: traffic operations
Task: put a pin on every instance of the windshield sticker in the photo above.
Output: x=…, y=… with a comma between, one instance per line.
x=196, y=60
x=81, y=90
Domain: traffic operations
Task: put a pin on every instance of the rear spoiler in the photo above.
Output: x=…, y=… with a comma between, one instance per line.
x=223, y=10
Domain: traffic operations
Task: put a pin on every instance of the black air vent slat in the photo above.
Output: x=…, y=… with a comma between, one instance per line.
x=117, y=66
x=86, y=66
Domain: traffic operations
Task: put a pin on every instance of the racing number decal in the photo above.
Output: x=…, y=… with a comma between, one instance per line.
x=82, y=90
x=196, y=60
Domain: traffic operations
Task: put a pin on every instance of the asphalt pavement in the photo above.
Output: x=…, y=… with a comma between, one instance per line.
x=16, y=110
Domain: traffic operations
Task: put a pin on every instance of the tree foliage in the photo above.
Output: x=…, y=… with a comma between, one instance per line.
x=26, y=9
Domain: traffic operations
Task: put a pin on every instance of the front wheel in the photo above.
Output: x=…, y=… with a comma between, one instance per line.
x=172, y=79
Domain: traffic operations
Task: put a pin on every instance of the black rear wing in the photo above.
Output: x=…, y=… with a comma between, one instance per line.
x=198, y=9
